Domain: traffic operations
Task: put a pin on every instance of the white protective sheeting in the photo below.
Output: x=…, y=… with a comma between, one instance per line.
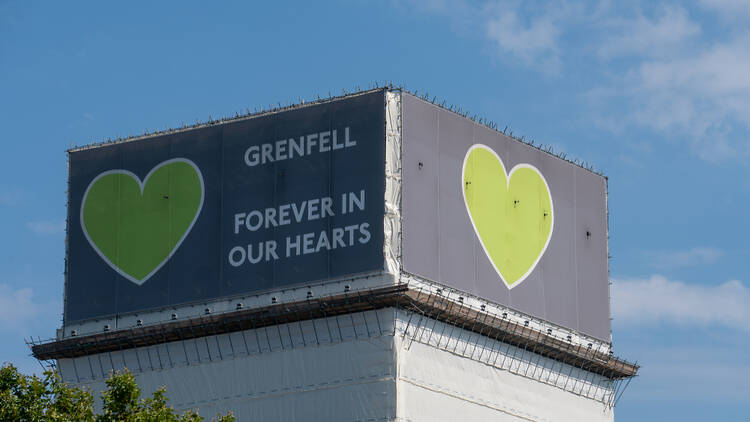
x=494, y=353
x=449, y=373
x=367, y=366
x=436, y=385
x=331, y=369
x=392, y=218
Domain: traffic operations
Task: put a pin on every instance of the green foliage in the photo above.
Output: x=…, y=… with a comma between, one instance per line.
x=28, y=398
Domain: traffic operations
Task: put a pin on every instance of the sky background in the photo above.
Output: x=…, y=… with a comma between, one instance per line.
x=655, y=94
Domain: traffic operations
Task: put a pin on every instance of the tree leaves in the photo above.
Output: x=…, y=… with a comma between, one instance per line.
x=28, y=398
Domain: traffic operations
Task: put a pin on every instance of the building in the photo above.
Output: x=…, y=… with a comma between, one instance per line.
x=363, y=258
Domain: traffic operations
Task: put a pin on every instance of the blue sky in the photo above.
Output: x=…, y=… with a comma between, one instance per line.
x=656, y=94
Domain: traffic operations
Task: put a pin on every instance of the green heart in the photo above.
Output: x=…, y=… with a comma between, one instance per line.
x=511, y=212
x=137, y=226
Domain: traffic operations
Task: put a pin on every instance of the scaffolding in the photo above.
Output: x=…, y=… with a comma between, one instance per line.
x=523, y=348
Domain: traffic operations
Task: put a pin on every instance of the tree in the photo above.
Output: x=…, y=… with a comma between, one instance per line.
x=29, y=398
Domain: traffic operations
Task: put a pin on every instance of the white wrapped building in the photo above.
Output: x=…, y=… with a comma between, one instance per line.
x=397, y=344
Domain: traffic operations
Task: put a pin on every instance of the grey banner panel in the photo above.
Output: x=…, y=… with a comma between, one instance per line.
x=265, y=202
x=568, y=285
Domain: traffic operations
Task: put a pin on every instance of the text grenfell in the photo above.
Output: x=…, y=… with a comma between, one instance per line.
x=287, y=149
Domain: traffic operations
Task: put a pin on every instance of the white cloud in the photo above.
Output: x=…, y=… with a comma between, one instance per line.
x=733, y=8
x=703, y=97
x=658, y=300
x=689, y=85
x=534, y=41
x=687, y=258
x=658, y=65
x=719, y=72
x=462, y=14
x=23, y=316
x=16, y=307
x=46, y=227
x=643, y=36
x=517, y=33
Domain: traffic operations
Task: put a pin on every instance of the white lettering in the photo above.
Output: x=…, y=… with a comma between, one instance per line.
x=239, y=219
x=258, y=216
x=284, y=215
x=299, y=212
x=271, y=250
x=271, y=217
x=336, y=145
x=251, y=156
x=290, y=245
x=312, y=209
x=250, y=253
x=286, y=149
x=350, y=230
x=359, y=202
x=236, y=262
x=338, y=237
x=312, y=139
x=297, y=147
x=266, y=151
x=326, y=204
x=347, y=143
x=323, y=242
x=325, y=138
x=281, y=150
x=307, y=243
x=365, y=233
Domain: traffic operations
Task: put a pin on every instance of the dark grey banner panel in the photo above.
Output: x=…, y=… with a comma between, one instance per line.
x=494, y=217
x=265, y=202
